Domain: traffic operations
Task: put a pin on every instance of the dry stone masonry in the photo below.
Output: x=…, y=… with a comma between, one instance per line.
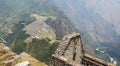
x=71, y=53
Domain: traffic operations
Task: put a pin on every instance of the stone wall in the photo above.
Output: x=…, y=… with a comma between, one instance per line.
x=71, y=53
x=93, y=61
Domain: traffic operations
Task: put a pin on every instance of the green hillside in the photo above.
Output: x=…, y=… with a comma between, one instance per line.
x=15, y=11
x=17, y=25
x=15, y=15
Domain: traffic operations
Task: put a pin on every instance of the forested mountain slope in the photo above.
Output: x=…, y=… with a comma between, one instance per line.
x=16, y=23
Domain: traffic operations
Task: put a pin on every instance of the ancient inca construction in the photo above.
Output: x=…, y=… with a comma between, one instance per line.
x=71, y=53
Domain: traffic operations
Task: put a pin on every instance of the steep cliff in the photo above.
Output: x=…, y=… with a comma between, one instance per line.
x=62, y=25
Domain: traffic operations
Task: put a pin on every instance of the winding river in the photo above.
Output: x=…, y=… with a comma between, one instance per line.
x=112, y=60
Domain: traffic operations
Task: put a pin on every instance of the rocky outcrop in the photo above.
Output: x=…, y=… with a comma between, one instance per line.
x=7, y=57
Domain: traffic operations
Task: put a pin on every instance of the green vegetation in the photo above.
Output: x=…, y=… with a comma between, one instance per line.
x=19, y=60
x=16, y=39
x=42, y=49
x=15, y=15
x=12, y=12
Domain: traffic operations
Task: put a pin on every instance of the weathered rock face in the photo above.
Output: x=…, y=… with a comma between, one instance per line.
x=7, y=57
x=71, y=53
